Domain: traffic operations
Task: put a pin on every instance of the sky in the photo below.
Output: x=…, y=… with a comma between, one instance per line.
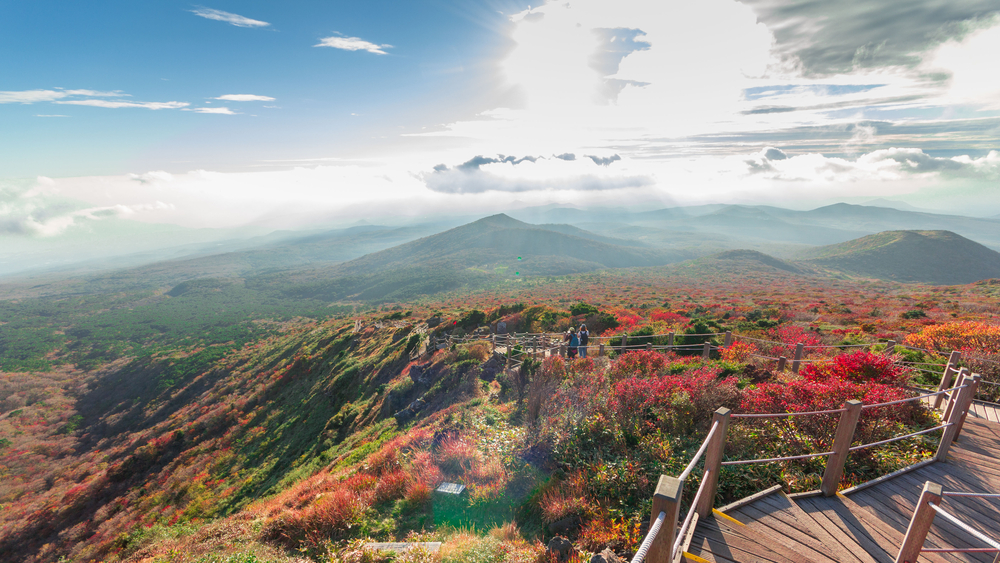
x=299, y=114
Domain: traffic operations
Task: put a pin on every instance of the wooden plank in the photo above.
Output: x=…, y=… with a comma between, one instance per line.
x=952, y=534
x=854, y=541
x=731, y=547
x=886, y=477
x=749, y=499
x=762, y=521
x=882, y=533
x=977, y=512
x=778, y=544
x=893, y=517
x=877, y=545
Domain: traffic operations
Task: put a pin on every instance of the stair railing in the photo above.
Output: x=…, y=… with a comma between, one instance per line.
x=929, y=506
x=663, y=545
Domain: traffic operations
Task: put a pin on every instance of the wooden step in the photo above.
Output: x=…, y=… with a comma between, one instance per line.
x=716, y=539
x=770, y=528
x=781, y=518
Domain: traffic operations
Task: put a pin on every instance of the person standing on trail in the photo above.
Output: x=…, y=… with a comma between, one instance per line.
x=584, y=339
x=574, y=344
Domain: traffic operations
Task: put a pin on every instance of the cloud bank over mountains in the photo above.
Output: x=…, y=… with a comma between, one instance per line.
x=788, y=102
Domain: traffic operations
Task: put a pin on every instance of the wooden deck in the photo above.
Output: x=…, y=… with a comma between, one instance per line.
x=868, y=525
x=989, y=411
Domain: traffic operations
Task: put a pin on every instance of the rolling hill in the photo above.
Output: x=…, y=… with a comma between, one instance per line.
x=936, y=257
x=490, y=249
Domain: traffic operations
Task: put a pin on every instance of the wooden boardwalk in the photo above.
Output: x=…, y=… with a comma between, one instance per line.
x=868, y=525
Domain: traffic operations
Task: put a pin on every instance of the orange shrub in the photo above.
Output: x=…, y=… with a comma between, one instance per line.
x=969, y=335
x=739, y=352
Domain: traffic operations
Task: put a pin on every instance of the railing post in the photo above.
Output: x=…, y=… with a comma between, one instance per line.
x=649, y=346
x=667, y=498
x=946, y=376
x=953, y=396
x=713, y=462
x=624, y=347
x=600, y=350
x=706, y=351
x=781, y=364
x=729, y=339
x=974, y=387
x=956, y=410
x=890, y=347
x=841, y=447
x=562, y=350
x=798, y=357
x=920, y=524
x=670, y=341
x=493, y=338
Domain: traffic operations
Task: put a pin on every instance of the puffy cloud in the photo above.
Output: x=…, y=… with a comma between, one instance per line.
x=529, y=174
x=227, y=17
x=150, y=177
x=353, y=44
x=245, y=98
x=892, y=164
x=115, y=104
x=35, y=96
x=603, y=160
x=222, y=111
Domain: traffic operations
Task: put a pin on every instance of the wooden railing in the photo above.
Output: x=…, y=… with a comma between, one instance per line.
x=928, y=507
x=664, y=543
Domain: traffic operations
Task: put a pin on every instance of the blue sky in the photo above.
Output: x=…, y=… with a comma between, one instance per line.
x=306, y=114
x=164, y=52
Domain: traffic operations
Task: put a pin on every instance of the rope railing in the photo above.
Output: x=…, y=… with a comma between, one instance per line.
x=690, y=516
x=972, y=531
x=701, y=451
x=918, y=398
x=785, y=414
x=968, y=494
x=898, y=438
x=640, y=554
x=773, y=459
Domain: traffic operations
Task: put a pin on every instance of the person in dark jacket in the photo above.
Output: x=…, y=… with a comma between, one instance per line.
x=584, y=339
x=574, y=344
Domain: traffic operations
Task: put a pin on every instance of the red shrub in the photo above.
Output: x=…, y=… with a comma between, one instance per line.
x=635, y=399
x=640, y=363
x=456, y=456
x=418, y=493
x=859, y=367
x=391, y=486
x=669, y=317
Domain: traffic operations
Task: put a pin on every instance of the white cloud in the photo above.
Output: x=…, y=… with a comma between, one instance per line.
x=114, y=104
x=968, y=61
x=234, y=19
x=223, y=111
x=35, y=96
x=153, y=176
x=353, y=44
x=245, y=98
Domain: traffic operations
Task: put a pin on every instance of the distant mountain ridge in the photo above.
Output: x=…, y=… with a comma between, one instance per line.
x=935, y=257
x=491, y=249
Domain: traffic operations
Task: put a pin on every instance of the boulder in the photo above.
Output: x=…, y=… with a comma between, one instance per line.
x=559, y=550
x=566, y=526
x=606, y=556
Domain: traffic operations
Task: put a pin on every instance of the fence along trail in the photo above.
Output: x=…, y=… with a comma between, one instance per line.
x=896, y=518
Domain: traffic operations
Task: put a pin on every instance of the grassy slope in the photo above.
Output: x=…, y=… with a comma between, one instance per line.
x=938, y=257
